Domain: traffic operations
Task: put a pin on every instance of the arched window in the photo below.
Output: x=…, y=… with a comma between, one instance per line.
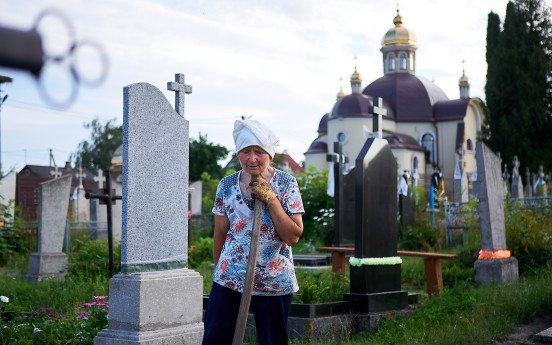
x=391, y=61
x=428, y=143
x=415, y=164
x=342, y=137
x=403, y=62
x=469, y=145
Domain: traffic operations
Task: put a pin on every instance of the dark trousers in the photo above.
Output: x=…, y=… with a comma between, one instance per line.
x=271, y=314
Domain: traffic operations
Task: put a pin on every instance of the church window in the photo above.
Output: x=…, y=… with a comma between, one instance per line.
x=391, y=61
x=469, y=145
x=428, y=143
x=342, y=137
x=403, y=61
x=415, y=164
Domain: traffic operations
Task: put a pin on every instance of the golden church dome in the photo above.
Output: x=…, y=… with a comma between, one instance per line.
x=464, y=80
x=356, y=76
x=399, y=35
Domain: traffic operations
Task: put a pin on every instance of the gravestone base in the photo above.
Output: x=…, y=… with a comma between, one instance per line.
x=377, y=302
x=160, y=307
x=496, y=271
x=47, y=266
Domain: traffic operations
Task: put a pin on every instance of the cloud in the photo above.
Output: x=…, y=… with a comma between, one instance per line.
x=279, y=61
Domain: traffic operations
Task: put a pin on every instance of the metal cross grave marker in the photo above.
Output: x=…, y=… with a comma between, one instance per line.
x=180, y=90
x=56, y=173
x=107, y=197
x=339, y=160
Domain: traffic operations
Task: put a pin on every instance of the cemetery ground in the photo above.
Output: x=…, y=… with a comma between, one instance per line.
x=74, y=310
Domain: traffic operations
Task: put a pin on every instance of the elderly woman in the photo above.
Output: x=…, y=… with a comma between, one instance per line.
x=281, y=227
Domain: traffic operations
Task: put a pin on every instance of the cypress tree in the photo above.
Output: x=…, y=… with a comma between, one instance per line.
x=518, y=85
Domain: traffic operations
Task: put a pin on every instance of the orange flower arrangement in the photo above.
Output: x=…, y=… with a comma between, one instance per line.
x=491, y=255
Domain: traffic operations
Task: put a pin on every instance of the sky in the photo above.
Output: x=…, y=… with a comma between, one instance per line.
x=279, y=62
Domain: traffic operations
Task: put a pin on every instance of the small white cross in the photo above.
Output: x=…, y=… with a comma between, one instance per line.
x=180, y=90
x=56, y=172
x=100, y=179
x=80, y=175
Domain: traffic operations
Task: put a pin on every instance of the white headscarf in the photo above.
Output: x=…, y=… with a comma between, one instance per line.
x=253, y=133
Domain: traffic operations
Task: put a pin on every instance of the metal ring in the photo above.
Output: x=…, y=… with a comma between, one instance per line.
x=104, y=61
x=64, y=103
x=66, y=22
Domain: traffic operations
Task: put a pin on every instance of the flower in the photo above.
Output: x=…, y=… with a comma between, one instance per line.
x=37, y=330
x=4, y=299
x=491, y=255
x=99, y=297
x=392, y=260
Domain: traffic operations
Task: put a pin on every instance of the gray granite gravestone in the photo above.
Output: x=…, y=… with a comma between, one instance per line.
x=49, y=261
x=516, y=189
x=156, y=299
x=489, y=190
x=376, y=287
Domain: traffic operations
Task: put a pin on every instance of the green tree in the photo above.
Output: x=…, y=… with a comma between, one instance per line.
x=97, y=152
x=204, y=157
x=519, y=61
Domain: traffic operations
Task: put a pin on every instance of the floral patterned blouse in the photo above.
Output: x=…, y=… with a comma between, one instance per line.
x=274, y=273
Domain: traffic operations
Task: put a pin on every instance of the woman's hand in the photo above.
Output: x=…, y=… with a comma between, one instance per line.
x=261, y=190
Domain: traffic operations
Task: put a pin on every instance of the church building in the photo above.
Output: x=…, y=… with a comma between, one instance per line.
x=425, y=129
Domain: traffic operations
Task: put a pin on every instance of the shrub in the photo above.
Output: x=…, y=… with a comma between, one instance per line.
x=90, y=258
x=321, y=287
x=11, y=238
x=529, y=237
x=318, y=217
x=201, y=251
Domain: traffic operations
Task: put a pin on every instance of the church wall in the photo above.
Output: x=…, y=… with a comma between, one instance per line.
x=415, y=129
x=355, y=129
x=317, y=160
x=405, y=159
x=472, y=126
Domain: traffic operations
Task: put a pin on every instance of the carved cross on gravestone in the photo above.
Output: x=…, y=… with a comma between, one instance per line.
x=180, y=90
x=56, y=173
x=377, y=111
x=339, y=160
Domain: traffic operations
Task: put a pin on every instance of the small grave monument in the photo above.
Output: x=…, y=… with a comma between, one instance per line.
x=49, y=261
x=98, y=214
x=156, y=299
x=460, y=183
x=406, y=202
x=528, y=185
x=516, y=189
x=495, y=264
x=375, y=268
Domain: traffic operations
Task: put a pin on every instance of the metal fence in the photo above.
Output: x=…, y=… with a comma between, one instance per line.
x=464, y=216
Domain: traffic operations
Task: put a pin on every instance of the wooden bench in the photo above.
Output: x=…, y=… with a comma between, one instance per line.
x=432, y=264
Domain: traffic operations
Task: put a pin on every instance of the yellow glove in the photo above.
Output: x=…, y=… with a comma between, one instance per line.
x=260, y=189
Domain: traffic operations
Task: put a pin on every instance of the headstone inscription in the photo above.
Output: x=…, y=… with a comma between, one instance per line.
x=375, y=275
x=49, y=261
x=516, y=189
x=495, y=264
x=156, y=299
x=344, y=184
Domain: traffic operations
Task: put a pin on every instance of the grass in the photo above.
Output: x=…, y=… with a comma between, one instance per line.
x=468, y=315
